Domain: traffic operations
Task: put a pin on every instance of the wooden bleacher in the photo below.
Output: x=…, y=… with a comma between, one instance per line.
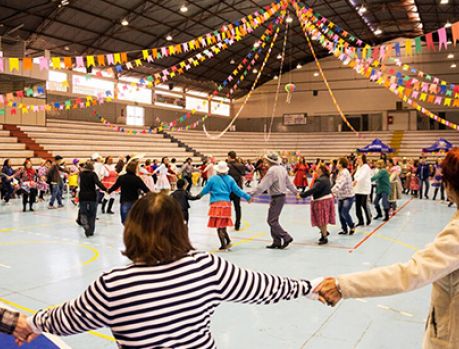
x=78, y=139
x=251, y=145
x=11, y=149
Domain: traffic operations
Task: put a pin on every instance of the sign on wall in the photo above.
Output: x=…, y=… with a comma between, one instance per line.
x=295, y=119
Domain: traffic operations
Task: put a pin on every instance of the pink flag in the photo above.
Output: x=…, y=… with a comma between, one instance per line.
x=80, y=62
x=110, y=59
x=44, y=64
x=442, y=38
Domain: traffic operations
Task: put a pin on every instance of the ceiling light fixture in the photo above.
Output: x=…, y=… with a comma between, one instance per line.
x=378, y=32
x=275, y=77
x=448, y=25
x=444, y=2
x=453, y=65
x=183, y=8
x=362, y=10
x=316, y=74
x=299, y=66
x=67, y=48
x=289, y=19
x=255, y=71
x=257, y=44
x=232, y=61
x=279, y=56
x=124, y=22
x=169, y=37
x=450, y=56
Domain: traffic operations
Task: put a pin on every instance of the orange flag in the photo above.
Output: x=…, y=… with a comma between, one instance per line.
x=68, y=62
x=27, y=63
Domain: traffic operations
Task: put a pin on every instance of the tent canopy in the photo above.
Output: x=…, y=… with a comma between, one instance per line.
x=376, y=146
x=440, y=145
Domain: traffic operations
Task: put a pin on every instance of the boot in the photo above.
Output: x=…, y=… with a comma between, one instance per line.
x=110, y=206
x=379, y=213
x=104, y=203
x=386, y=215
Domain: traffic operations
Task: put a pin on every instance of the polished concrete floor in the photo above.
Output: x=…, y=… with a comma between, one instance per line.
x=45, y=260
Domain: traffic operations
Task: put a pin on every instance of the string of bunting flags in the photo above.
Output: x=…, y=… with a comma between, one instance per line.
x=437, y=87
x=348, y=59
x=236, y=31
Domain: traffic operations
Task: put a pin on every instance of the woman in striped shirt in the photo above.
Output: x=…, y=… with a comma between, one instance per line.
x=166, y=297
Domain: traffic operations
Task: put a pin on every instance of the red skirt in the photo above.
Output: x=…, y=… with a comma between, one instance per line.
x=323, y=212
x=220, y=215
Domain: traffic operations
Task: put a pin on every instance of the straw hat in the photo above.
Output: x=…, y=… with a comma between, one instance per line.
x=222, y=167
x=273, y=158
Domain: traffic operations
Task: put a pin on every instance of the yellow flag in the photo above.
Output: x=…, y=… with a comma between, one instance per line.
x=117, y=58
x=90, y=61
x=14, y=64
x=408, y=47
x=56, y=62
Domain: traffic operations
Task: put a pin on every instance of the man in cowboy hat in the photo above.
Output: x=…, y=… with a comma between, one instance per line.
x=276, y=182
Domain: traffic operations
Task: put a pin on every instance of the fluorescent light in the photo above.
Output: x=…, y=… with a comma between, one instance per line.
x=124, y=22
x=275, y=77
x=67, y=48
x=378, y=32
x=279, y=56
x=232, y=61
x=299, y=66
x=169, y=37
x=444, y=2
x=453, y=65
x=289, y=19
x=183, y=8
x=255, y=71
x=450, y=56
x=448, y=24
x=362, y=10
x=316, y=74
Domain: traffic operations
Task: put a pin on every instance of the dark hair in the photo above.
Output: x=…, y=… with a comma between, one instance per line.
x=450, y=168
x=162, y=160
x=343, y=162
x=188, y=159
x=147, y=162
x=325, y=170
x=174, y=160
x=5, y=163
x=391, y=161
x=107, y=159
x=131, y=167
x=181, y=183
x=232, y=155
x=27, y=161
x=364, y=158
x=155, y=232
x=48, y=161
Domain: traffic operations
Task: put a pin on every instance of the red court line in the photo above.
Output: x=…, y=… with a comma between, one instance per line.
x=361, y=242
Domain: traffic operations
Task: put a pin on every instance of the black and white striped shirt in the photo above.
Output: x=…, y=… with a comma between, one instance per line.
x=166, y=306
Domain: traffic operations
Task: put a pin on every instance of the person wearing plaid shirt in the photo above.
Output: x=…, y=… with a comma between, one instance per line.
x=8, y=320
x=344, y=192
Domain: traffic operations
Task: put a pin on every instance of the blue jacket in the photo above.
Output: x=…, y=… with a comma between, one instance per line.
x=220, y=187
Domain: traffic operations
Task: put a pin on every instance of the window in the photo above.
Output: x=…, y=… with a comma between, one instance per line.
x=220, y=108
x=56, y=80
x=201, y=105
x=169, y=99
x=135, y=116
x=127, y=92
x=92, y=86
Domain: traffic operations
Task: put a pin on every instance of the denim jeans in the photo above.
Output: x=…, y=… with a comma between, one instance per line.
x=87, y=217
x=125, y=207
x=424, y=184
x=344, y=206
x=56, y=194
x=385, y=201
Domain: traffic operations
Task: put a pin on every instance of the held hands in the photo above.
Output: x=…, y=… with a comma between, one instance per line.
x=328, y=291
x=23, y=333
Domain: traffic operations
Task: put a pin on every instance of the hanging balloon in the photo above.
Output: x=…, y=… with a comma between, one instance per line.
x=290, y=88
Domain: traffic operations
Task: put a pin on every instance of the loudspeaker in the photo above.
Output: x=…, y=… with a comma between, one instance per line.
x=398, y=105
x=315, y=93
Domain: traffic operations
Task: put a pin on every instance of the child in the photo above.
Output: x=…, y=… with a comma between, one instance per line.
x=182, y=196
x=220, y=187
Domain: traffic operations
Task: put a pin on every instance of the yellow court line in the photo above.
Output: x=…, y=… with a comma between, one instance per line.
x=95, y=251
x=243, y=241
x=32, y=312
x=395, y=241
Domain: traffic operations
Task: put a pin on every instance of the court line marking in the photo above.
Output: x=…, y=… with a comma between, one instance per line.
x=361, y=242
x=32, y=312
x=5, y=266
x=395, y=241
x=95, y=251
x=242, y=241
